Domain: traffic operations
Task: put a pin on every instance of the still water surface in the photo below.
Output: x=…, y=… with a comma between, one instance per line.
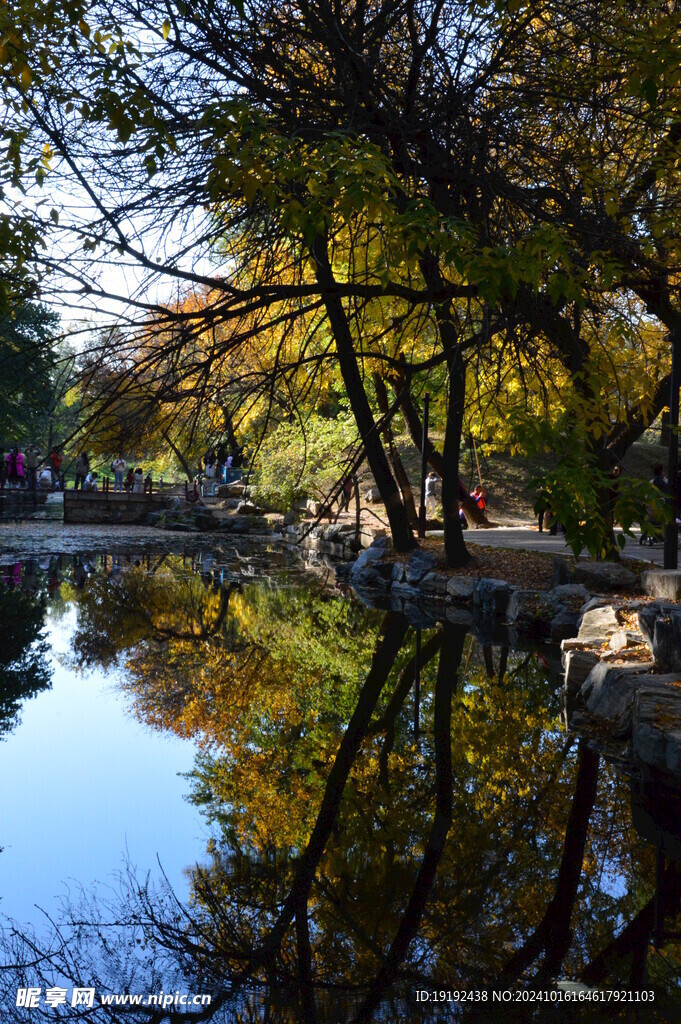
x=350, y=813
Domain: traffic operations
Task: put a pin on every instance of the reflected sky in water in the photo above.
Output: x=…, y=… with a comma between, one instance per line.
x=89, y=786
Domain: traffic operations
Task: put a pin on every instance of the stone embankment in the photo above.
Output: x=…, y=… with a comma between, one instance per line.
x=236, y=512
x=621, y=655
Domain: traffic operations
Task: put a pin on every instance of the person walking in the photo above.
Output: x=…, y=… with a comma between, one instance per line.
x=82, y=470
x=432, y=480
x=119, y=467
x=138, y=481
x=32, y=459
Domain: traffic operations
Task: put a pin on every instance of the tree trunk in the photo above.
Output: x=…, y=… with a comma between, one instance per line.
x=435, y=459
x=402, y=536
x=394, y=630
x=455, y=548
x=394, y=455
x=179, y=456
x=553, y=935
x=451, y=651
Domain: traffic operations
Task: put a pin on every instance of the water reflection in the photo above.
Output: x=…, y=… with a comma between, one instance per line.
x=392, y=810
x=23, y=670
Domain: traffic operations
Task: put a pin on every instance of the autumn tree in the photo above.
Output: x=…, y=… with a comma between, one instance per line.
x=414, y=179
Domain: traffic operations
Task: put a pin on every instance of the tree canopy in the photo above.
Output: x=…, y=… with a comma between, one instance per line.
x=476, y=198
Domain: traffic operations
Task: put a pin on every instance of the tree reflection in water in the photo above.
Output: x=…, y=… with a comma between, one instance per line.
x=354, y=858
x=24, y=670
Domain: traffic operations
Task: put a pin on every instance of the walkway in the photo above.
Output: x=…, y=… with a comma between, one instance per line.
x=531, y=539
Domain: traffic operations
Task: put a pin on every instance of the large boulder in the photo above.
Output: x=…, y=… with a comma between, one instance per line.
x=609, y=693
x=578, y=663
x=460, y=589
x=374, y=553
x=372, y=495
x=247, y=508
x=604, y=576
x=664, y=583
x=598, y=624
x=661, y=627
x=434, y=584
x=572, y=595
x=420, y=562
x=230, y=490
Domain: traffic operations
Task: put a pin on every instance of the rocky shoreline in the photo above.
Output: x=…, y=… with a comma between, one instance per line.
x=620, y=654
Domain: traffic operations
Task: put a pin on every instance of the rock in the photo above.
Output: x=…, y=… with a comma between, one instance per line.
x=314, y=507
x=600, y=601
x=604, y=575
x=564, y=625
x=434, y=583
x=561, y=573
x=609, y=694
x=598, y=624
x=578, y=664
x=243, y=524
x=531, y=611
x=376, y=574
x=420, y=562
x=492, y=596
x=368, y=535
x=666, y=643
x=648, y=615
x=665, y=583
x=619, y=640
x=230, y=490
x=291, y=517
x=572, y=594
x=399, y=574
x=374, y=553
x=460, y=589
x=372, y=495
x=247, y=508
x=204, y=520
x=176, y=504
x=656, y=728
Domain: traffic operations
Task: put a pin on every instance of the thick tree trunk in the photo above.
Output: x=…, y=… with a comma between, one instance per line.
x=435, y=459
x=394, y=455
x=402, y=536
x=455, y=548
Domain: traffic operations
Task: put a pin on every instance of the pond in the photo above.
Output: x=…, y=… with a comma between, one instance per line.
x=235, y=792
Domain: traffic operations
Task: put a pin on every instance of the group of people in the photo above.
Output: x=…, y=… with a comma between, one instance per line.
x=432, y=492
x=126, y=479
x=30, y=470
x=217, y=462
